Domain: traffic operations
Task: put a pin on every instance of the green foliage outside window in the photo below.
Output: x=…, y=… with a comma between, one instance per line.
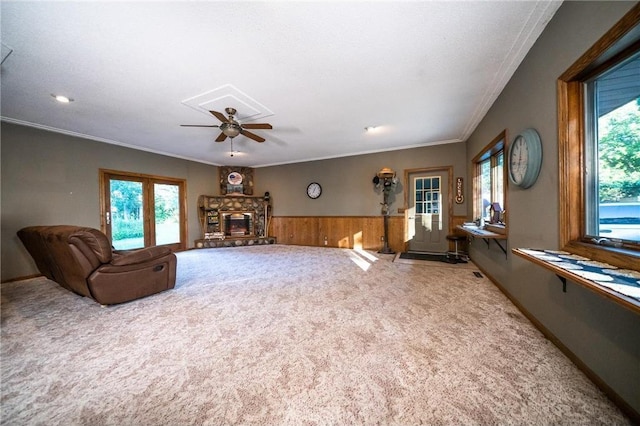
x=127, y=229
x=166, y=203
x=126, y=209
x=619, y=151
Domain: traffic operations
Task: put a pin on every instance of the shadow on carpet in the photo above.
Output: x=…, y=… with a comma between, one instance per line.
x=431, y=257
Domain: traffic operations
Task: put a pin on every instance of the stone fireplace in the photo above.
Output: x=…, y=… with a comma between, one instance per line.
x=232, y=220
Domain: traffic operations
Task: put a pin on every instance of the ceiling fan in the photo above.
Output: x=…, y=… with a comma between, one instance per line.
x=230, y=128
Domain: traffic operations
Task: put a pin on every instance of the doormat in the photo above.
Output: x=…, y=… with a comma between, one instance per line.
x=430, y=257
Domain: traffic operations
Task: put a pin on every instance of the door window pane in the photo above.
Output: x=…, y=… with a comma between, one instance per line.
x=167, y=213
x=127, y=227
x=427, y=200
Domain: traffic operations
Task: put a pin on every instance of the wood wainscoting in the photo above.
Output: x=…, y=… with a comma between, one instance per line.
x=343, y=231
x=338, y=231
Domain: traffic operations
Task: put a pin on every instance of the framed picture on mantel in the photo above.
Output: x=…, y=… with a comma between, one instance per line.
x=236, y=180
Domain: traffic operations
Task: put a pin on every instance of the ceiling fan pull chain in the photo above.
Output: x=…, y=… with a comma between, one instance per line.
x=232, y=147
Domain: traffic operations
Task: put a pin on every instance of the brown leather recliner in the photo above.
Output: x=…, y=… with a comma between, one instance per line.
x=82, y=260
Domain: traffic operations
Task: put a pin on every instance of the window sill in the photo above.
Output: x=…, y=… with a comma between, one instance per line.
x=497, y=228
x=621, y=257
x=603, y=288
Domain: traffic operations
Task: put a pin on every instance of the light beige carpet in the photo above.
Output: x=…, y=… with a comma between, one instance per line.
x=288, y=335
x=434, y=264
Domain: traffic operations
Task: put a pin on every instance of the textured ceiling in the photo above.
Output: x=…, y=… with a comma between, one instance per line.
x=319, y=72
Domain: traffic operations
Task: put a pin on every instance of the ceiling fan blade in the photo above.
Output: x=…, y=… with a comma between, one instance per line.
x=221, y=137
x=257, y=126
x=252, y=136
x=219, y=116
x=197, y=125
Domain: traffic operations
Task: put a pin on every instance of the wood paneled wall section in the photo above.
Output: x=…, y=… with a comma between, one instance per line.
x=342, y=231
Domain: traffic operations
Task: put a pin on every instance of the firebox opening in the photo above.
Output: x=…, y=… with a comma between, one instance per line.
x=238, y=224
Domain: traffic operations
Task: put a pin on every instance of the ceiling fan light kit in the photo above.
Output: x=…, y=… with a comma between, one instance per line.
x=230, y=129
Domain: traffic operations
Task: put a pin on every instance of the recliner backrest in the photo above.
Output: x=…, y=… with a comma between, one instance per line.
x=74, y=273
x=32, y=238
x=66, y=260
x=93, y=245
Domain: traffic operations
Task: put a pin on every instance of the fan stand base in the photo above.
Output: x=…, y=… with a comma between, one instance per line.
x=386, y=250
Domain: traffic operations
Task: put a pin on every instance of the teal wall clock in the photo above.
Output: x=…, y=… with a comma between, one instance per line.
x=525, y=158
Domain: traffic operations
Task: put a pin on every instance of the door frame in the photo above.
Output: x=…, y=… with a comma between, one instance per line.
x=408, y=187
x=148, y=207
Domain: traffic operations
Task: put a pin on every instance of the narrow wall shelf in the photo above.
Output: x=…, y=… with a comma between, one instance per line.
x=486, y=235
x=617, y=284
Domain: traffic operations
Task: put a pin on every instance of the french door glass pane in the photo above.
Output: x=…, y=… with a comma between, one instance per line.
x=127, y=227
x=167, y=213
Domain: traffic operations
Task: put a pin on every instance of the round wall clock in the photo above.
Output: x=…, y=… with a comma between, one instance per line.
x=314, y=190
x=525, y=158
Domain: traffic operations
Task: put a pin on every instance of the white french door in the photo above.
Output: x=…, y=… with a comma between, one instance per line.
x=428, y=211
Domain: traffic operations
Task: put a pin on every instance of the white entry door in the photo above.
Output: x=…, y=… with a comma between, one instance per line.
x=428, y=213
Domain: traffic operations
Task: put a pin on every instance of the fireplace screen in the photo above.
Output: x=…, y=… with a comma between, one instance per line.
x=238, y=224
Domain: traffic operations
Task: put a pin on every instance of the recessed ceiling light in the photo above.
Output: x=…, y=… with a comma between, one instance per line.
x=62, y=99
x=370, y=128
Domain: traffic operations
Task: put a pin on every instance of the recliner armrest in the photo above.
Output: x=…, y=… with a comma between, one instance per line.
x=140, y=256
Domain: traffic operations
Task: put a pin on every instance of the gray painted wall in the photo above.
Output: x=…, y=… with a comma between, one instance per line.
x=602, y=334
x=50, y=178
x=347, y=188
